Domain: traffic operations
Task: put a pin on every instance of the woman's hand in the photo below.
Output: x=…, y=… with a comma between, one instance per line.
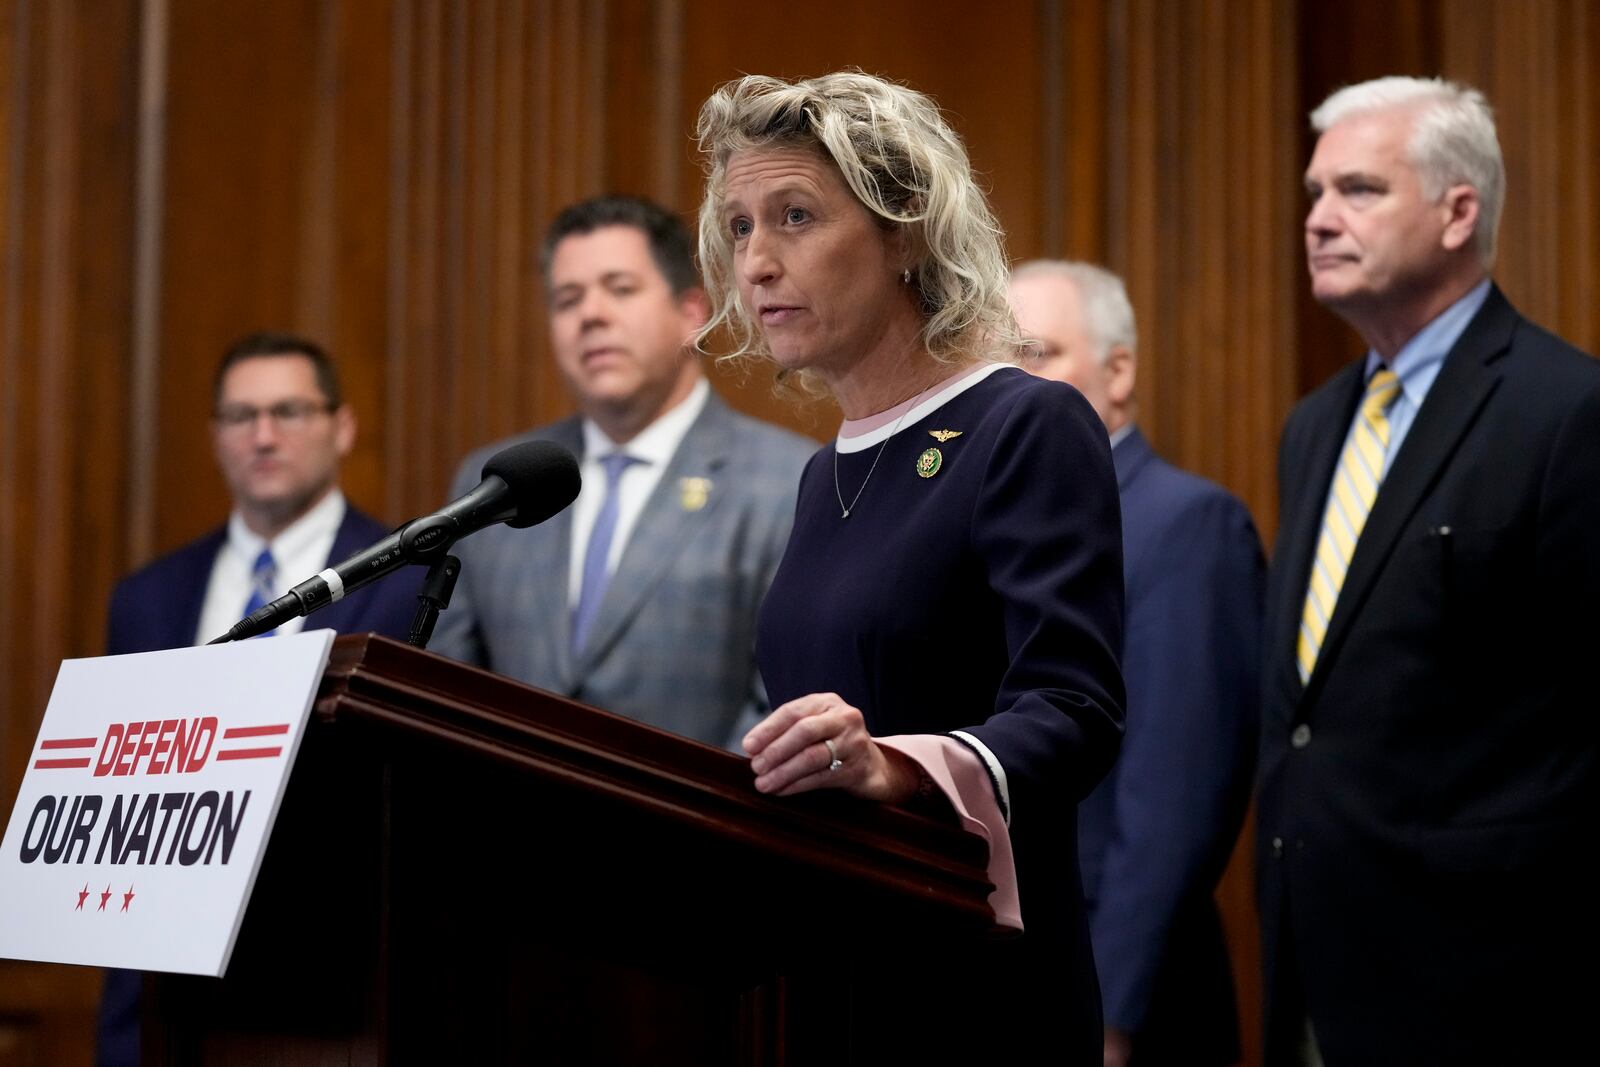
x=793, y=749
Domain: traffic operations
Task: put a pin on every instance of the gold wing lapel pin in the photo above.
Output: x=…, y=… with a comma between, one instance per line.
x=929, y=462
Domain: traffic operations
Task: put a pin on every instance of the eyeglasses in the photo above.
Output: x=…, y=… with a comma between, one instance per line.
x=289, y=416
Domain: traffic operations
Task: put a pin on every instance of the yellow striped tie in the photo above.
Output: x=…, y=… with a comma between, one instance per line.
x=1355, y=487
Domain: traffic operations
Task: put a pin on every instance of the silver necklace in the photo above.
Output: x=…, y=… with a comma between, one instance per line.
x=844, y=511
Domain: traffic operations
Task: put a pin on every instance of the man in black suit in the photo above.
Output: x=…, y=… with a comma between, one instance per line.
x=279, y=427
x=1430, y=752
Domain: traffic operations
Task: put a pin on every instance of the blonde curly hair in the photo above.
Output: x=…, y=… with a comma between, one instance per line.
x=904, y=163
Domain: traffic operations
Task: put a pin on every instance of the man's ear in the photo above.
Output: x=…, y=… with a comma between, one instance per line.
x=344, y=429
x=1120, y=369
x=1462, y=207
x=695, y=307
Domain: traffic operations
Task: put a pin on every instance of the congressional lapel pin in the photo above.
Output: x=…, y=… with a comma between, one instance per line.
x=929, y=462
x=694, y=492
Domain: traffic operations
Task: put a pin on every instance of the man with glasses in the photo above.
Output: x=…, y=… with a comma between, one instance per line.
x=279, y=428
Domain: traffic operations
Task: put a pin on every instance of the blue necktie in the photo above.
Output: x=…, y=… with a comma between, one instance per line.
x=263, y=576
x=595, y=575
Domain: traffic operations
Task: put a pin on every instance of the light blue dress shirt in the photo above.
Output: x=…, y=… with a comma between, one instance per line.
x=1417, y=365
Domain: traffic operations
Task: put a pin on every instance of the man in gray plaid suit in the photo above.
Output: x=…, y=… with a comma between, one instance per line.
x=642, y=597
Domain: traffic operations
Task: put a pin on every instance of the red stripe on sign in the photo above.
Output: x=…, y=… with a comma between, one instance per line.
x=248, y=753
x=254, y=731
x=70, y=742
x=55, y=764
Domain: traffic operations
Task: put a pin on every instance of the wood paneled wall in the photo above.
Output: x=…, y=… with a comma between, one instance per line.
x=1536, y=63
x=1204, y=228
x=377, y=173
x=68, y=126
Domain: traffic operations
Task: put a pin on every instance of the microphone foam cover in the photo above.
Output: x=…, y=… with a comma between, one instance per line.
x=543, y=478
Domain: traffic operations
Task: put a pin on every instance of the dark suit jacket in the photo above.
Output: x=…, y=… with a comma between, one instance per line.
x=1428, y=800
x=158, y=606
x=673, y=644
x=1156, y=834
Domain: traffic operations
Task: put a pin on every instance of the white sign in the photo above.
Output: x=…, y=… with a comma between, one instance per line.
x=148, y=802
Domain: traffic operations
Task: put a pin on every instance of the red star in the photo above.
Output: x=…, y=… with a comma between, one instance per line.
x=82, y=896
x=105, y=897
x=127, y=898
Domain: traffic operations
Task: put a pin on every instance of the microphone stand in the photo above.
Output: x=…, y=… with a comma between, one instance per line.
x=434, y=597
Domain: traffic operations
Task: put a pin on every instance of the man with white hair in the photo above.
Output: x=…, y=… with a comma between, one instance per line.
x=1430, y=758
x=1155, y=835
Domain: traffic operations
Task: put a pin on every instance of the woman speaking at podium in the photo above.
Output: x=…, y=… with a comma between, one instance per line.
x=947, y=618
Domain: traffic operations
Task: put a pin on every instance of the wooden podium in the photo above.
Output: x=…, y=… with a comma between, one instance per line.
x=469, y=870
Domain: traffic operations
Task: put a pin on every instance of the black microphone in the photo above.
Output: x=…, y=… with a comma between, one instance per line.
x=522, y=485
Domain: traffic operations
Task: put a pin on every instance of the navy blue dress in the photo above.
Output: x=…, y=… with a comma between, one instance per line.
x=985, y=598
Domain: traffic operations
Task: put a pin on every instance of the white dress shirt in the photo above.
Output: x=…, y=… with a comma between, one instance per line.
x=300, y=551
x=655, y=446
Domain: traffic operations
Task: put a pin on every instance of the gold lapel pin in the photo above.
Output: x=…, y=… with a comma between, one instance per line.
x=694, y=492
x=943, y=435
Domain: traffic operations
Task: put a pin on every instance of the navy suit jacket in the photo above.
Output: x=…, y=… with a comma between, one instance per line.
x=1430, y=797
x=986, y=597
x=1156, y=834
x=157, y=607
